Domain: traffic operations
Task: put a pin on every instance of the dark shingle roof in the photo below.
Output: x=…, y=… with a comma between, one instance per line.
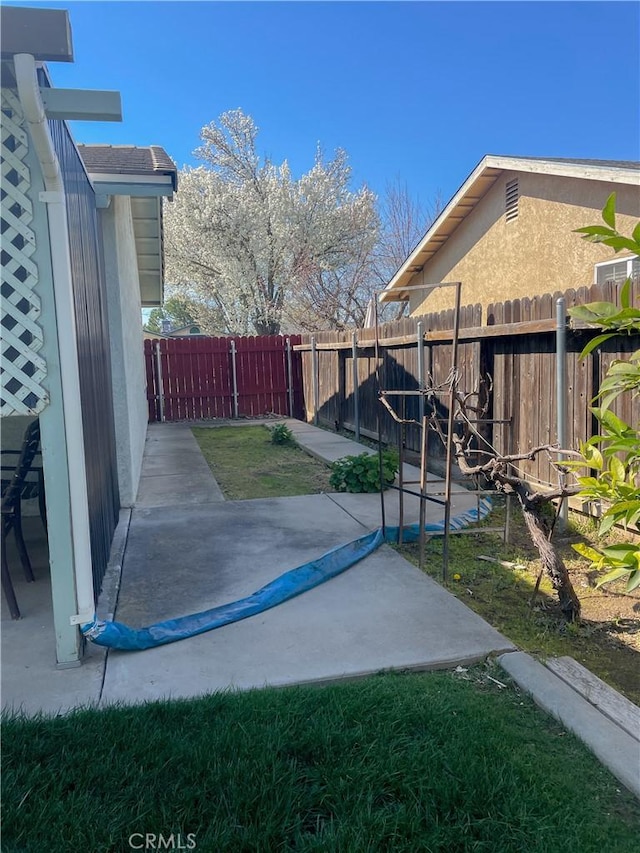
x=128, y=160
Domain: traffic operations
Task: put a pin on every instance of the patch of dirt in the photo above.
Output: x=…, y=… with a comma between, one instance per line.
x=614, y=613
x=609, y=610
x=607, y=638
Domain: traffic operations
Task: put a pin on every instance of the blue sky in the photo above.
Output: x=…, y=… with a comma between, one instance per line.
x=415, y=91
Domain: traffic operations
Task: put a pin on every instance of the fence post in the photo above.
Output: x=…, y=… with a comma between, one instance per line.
x=356, y=386
x=314, y=371
x=234, y=378
x=159, y=385
x=289, y=378
x=561, y=397
x=420, y=337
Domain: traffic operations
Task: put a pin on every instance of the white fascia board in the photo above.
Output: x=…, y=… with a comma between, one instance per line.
x=385, y=296
x=589, y=172
x=81, y=104
x=122, y=177
x=132, y=185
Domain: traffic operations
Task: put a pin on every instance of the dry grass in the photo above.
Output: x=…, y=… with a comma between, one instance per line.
x=607, y=639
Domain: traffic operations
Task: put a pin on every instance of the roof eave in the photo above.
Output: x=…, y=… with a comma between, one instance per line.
x=44, y=33
x=414, y=263
x=424, y=251
x=133, y=185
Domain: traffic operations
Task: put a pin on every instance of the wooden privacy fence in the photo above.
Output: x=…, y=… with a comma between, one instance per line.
x=517, y=348
x=198, y=378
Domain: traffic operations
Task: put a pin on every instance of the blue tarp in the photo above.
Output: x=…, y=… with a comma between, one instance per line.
x=114, y=635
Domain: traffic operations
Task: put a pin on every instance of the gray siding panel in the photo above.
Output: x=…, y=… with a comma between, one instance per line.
x=93, y=350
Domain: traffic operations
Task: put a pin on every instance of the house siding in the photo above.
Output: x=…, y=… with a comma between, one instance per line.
x=535, y=253
x=127, y=356
x=93, y=350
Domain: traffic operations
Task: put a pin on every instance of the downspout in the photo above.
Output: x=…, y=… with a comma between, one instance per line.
x=54, y=198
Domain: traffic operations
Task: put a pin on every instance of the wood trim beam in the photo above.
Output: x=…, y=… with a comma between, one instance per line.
x=526, y=327
x=82, y=104
x=43, y=33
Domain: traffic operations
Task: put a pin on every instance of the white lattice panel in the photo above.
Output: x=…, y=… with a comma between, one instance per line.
x=21, y=368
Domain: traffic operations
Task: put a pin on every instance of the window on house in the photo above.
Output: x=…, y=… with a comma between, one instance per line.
x=511, y=200
x=618, y=270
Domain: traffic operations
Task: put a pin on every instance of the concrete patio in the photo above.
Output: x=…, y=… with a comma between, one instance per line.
x=184, y=549
x=187, y=549
x=184, y=558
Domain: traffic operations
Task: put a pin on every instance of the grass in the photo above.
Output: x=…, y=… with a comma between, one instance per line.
x=606, y=641
x=435, y=762
x=246, y=464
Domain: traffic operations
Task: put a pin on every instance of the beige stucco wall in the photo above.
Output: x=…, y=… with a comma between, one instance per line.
x=533, y=254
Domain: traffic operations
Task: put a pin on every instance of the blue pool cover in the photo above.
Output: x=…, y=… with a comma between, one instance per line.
x=114, y=635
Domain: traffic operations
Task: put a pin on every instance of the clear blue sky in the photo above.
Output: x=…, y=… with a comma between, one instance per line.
x=419, y=91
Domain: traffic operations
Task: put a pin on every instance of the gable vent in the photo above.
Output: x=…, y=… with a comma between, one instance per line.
x=511, y=200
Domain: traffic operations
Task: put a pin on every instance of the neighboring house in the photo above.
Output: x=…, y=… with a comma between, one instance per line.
x=154, y=336
x=81, y=252
x=189, y=331
x=508, y=233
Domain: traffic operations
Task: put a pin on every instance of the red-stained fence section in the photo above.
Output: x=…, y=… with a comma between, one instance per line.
x=190, y=379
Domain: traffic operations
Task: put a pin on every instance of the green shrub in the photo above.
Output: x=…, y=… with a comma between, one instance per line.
x=614, y=454
x=362, y=473
x=281, y=434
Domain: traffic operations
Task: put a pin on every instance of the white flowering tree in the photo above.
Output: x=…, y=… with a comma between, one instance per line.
x=337, y=298
x=252, y=242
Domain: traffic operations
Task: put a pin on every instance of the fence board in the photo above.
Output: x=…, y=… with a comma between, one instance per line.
x=516, y=347
x=197, y=377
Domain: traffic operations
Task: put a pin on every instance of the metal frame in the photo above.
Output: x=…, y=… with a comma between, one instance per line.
x=442, y=498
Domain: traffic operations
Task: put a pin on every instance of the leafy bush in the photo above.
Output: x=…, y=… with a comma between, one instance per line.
x=281, y=434
x=362, y=473
x=614, y=454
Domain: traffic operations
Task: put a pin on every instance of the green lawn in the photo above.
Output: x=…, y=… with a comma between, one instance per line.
x=246, y=464
x=434, y=762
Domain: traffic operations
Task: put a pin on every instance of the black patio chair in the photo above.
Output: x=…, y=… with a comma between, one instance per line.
x=25, y=481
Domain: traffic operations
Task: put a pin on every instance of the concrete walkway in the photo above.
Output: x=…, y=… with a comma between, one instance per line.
x=186, y=549
x=328, y=446
x=185, y=557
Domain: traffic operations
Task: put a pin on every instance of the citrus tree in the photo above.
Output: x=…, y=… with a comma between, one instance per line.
x=614, y=454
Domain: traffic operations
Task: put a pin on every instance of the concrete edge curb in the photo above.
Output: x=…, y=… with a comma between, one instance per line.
x=108, y=599
x=613, y=747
